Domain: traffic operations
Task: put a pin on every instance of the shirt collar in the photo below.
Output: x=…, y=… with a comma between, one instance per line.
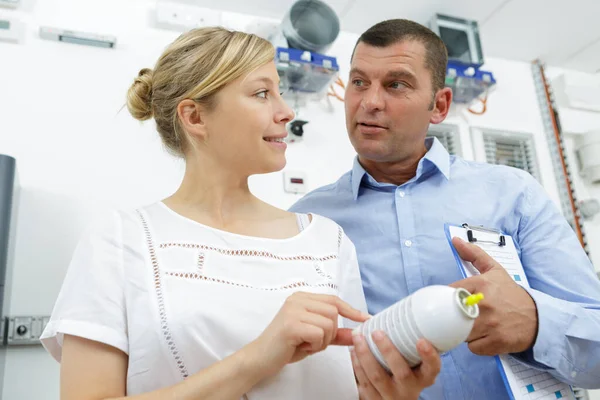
x=436, y=156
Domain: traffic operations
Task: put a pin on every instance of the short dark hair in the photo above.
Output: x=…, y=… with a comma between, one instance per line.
x=394, y=31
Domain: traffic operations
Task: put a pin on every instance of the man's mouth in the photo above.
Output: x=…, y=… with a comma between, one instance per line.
x=371, y=125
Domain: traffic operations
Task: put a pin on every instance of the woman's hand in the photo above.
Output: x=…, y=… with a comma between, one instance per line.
x=306, y=324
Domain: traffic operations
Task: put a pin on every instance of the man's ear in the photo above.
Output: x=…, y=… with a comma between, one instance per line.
x=192, y=118
x=441, y=105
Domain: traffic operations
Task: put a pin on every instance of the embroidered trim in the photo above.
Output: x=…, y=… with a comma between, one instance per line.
x=195, y=275
x=201, y=261
x=161, y=301
x=317, y=266
x=248, y=253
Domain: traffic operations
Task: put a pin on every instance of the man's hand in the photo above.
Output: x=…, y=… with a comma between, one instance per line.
x=374, y=383
x=507, y=321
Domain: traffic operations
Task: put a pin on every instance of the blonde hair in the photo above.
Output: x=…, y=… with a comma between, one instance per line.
x=195, y=66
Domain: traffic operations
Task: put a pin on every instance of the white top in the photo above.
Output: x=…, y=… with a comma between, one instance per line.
x=178, y=296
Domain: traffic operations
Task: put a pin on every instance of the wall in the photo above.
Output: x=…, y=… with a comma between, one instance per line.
x=78, y=153
x=576, y=122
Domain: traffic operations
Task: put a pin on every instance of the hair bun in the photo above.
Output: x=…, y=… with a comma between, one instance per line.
x=139, y=96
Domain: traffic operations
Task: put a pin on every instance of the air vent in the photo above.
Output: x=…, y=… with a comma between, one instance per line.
x=448, y=135
x=512, y=149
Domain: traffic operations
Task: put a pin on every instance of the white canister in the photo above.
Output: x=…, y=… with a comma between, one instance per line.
x=440, y=314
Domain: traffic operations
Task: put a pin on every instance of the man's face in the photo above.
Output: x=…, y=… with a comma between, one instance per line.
x=390, y=101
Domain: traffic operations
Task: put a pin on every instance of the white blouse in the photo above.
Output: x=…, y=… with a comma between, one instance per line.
x=178, y=296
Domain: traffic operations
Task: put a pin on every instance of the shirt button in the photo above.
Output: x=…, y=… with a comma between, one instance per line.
x=401, y=194
x=408, y=243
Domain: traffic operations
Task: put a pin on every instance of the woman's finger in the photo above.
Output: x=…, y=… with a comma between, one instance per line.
x=325, y=324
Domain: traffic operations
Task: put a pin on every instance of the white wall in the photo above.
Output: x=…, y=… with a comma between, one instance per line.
x=78, y=154
x=574, y=123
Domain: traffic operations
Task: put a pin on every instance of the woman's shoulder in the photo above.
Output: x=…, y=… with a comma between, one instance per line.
x=119, y=224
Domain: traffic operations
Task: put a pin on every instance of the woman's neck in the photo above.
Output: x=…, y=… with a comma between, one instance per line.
x=215, y=193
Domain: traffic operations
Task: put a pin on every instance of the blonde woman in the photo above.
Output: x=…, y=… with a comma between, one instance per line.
x=210, y=293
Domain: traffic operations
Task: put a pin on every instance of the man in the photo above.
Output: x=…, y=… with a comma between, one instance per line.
x=393, y=205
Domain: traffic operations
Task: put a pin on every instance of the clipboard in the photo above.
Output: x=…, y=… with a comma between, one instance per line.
x=521, y=382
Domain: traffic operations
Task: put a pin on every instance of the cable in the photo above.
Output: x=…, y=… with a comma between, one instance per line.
x=334, y=94
x=484, y=102
x=332, y=91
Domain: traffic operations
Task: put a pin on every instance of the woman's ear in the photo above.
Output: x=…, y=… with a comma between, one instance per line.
x=191, y=116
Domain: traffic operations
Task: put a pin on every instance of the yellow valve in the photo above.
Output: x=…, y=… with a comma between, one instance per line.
x=473, y=299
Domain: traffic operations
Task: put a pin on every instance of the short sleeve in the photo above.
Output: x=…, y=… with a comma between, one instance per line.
x=350, y=288
x=91, y=301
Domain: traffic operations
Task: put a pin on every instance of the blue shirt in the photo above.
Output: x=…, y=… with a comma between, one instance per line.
x=399, y=236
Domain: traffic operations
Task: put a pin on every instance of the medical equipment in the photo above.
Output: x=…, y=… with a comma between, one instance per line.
x=440, y=314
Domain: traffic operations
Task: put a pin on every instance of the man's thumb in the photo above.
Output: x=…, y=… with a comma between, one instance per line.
x=475, y=255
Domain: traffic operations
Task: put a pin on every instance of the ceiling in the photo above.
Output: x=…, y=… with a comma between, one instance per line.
x=559, y=32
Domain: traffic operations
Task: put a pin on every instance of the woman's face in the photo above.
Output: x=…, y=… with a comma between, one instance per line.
x=246, y=128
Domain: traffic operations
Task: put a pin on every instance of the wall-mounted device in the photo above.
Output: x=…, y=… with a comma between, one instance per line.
x=461, y=37
x=10, y=3
x=14, y=330
x=83, y=38
x=304, y=72
x=294, y=182
x=25, y=330
x=9, y=194
x=183, y=17
x=295, y=130
x=577, y=91
x=587, y=155
x=11, y=29
x=465, y=57
x=310, y=25
x=306, y=32
x=589, y=208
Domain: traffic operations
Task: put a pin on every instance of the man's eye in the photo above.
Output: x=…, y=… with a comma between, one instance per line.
x=397, y=85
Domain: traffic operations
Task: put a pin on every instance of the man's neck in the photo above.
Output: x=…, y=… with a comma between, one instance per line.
x=395, y=172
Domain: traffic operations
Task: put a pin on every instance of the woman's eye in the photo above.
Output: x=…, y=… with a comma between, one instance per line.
x=263, y=94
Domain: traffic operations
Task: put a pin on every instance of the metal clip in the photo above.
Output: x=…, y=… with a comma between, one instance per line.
x=472, y=239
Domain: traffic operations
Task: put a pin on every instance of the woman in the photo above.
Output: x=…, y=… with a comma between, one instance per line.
x=210, y=293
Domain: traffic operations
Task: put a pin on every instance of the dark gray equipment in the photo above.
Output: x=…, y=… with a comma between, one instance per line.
x=8, y=222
